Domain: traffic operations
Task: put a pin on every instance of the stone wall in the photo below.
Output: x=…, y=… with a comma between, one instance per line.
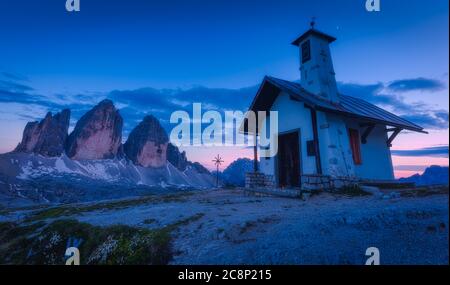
x=259, y=180
x=310, y=182
x=344, y=181
x=313, y=182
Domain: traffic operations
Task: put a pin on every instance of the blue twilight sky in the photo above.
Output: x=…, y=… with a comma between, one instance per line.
x=50, y=58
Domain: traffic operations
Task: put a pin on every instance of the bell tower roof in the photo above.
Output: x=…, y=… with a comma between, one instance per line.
x=317, y=33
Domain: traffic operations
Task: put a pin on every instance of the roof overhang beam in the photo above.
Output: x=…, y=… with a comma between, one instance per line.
x=366, y=133
x=391, y=138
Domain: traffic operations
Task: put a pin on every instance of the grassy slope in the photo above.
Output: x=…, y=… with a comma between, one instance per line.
x=42, y=237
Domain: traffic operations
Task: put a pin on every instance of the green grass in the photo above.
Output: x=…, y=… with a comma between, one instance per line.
x=47, y=246
x=60, y=211
x=40, y=243
x=352, y=191
x=6, y=210
x=186, y=221
x=312, y=193
x=424, y=191
x=149, y=221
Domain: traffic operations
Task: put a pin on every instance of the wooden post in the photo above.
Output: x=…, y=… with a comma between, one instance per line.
x=255, y=154
x=392, y=137
x=217, y=176
x=366, y=133
x=316, y=140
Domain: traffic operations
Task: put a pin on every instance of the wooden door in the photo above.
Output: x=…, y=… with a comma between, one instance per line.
x=289, y=160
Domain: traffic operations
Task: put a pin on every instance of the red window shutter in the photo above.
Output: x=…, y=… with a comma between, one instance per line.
x=355, y=145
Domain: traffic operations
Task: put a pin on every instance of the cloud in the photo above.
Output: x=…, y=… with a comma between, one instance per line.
x=442, y=115
x=162, y=102
x=429, y=121
x=14, y=86
x=13, y=76
x=417, y=112
x=21, y=102
x=373, y=94
x=136, y=103
x=418, y=168
x=174, y=99
x=416, y=84
x=22, y=97
x=39, y=101
x=133, y=104
x=434, y=151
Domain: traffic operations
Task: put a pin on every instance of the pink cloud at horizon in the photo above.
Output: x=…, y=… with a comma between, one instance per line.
x=415, y=163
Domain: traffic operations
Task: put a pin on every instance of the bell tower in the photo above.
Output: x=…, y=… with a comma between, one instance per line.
x=316, y=65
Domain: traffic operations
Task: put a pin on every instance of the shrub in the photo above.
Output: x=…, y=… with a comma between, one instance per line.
x=352, y=190
x=38, y=244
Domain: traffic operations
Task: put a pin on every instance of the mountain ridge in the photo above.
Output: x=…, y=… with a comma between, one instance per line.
x=92, y=162
x=432, y=175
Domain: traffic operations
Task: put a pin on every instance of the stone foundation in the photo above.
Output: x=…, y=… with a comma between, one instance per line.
x=314, y=182
x=259, y=180
x=344, y=181
x=310, y=182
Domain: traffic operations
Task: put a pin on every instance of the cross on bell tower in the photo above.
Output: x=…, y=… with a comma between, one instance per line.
x=313, y=22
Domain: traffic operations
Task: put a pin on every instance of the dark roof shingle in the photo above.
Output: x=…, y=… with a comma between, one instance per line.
x=347, y=106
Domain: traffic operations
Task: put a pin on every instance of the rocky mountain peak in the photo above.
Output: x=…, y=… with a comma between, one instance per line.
x=46, y=137
x=97, y=135
x=147, y=143
x=176, y=157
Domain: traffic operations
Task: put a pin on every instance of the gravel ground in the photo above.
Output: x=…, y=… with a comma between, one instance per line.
x=230, y=227
x=235, y=228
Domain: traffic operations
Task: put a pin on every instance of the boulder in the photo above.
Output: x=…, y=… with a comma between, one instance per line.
x=46, y=137
x=97, y=135
x=147, y=144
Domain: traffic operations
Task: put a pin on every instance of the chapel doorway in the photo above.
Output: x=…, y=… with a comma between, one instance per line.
x=289, y=160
